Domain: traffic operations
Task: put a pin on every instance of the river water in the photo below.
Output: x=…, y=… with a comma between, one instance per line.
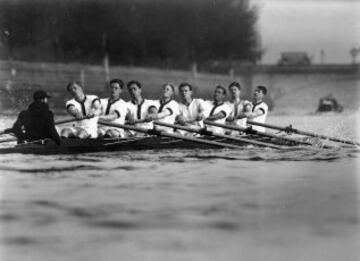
x=252, y=204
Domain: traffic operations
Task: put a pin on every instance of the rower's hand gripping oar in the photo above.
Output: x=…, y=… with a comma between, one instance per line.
x=209, y=133
x=290, y=129
x=170, y=135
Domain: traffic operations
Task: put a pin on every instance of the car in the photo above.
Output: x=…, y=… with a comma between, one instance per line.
x=294, y=59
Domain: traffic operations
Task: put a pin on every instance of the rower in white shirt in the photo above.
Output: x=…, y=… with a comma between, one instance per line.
x=85, y=108
x=139, y=108
x=217, y=110
x=191, y=111
x=259, y=110
x=167, y=108
x=114, y=110
x=238, y=106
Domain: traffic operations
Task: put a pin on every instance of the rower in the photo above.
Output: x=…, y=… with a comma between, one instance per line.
x=139, y=108
x=238, y=106
x=37, y=122
x=191, y=111
x=85, y=108
x=167, y=108
x=259, y=110
x=114, y=110
x=219, y=110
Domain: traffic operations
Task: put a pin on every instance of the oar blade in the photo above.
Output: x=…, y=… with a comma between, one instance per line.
x=290, y=129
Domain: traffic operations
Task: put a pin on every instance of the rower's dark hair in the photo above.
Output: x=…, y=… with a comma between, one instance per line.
x=184, y=84
x=72, y=84
x=168, y=84
x=138, y=84
x=118, y=81
x=235, y=84
x=221, y=88
x=262, y=88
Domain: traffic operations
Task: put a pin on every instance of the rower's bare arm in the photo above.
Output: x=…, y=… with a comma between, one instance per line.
x=217, y=116
x=110, y=117
x=74, y=112
x=201, y=115
x=246, y=113
x=254, y=114
x=161, y=115
x=97, y=109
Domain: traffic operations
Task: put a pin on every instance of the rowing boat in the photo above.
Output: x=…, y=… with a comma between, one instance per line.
x=78, y=146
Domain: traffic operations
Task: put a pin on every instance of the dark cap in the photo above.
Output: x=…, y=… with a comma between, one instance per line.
x=38, y=95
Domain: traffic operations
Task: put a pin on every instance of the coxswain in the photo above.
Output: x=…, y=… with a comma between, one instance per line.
x=85, y=108
x=139, y=108
x=167, y=108
x=114, y=110
x=217, y=110
x=259, y=109
x=37, y=122
x=238, y=107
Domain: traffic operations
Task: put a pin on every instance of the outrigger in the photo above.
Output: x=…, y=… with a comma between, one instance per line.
x=157, y=140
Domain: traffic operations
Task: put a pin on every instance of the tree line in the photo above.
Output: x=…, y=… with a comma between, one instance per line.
x=162, y=33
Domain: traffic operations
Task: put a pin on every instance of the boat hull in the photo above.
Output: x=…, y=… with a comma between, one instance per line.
x=78, y=146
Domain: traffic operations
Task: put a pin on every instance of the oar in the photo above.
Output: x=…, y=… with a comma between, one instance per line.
x=290, y=129
x=170, y=135
x=9, y=130
x=251, y=131
x=6, y=131
x=8, y=140
x=68, y=121
x=209, y=133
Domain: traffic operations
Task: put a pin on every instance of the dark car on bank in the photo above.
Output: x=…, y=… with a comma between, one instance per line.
x=294, y=59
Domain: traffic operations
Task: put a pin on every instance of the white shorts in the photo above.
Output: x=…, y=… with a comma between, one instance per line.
x=92, y=134
x=102, y=131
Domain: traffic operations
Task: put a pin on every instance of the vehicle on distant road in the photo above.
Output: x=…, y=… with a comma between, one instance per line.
x=294, y=59
x=329, y=104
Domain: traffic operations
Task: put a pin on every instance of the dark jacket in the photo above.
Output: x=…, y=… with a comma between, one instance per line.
x=36, y=123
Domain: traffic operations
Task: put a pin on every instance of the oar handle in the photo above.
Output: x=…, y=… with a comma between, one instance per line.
x=290, y=129
x=287, y=129
x=180, y=127
x=65, y=121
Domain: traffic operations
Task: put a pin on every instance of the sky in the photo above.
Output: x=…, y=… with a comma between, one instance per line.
x=311, y=26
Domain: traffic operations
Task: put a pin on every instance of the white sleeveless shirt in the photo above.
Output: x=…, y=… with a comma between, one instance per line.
x=141, y=111
x=173, y=107
x=84, y=107
x=262, y=106
x=236, y=109
x=214, y=109
x=192, y=111
x=119, y=107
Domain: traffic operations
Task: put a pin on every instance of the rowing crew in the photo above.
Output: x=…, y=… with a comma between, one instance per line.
x=141, y=112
